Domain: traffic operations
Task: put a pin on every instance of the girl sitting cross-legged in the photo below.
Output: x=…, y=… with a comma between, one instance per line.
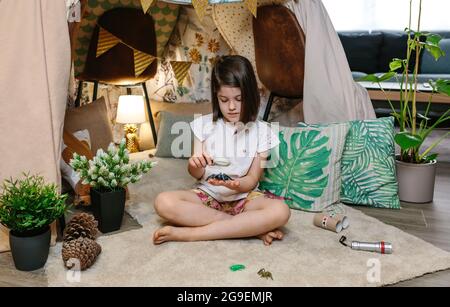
x=223, y=207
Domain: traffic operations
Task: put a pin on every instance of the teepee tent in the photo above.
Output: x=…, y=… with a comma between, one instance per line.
x=34, y=75
x=37, y=53
x=330, y=93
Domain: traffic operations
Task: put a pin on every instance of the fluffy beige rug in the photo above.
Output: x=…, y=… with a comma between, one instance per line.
x=308, y=256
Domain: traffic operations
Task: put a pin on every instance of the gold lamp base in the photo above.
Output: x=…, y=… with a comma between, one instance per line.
x=132, y=138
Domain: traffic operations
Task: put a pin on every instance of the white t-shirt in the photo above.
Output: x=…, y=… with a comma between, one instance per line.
x=238, y=144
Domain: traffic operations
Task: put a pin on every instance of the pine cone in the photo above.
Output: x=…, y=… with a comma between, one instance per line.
x=86, y=219
x=82, y=249
x=81, y=225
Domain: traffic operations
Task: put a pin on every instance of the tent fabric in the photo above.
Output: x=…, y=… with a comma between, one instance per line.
x=330, y=93
x=193, y=41
x=34, y=76
x=164, y=14
x=210, y=1
x=234, y=22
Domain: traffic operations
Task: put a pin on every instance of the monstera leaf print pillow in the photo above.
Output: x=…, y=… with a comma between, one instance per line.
x=368, y=164
x=305, y=168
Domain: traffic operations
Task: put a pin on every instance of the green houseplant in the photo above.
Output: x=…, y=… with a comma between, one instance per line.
x=108, y=173
x=416, y=165
x=27, y=207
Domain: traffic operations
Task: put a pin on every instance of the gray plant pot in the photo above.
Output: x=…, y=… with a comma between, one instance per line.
x=416, y=181
x=30, y=252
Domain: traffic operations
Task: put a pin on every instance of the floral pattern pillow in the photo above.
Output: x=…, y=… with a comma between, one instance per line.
x=194, y=41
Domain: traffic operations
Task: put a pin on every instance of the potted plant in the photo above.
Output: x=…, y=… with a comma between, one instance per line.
x=108, y=173
x=416, y=166
x=27, y=207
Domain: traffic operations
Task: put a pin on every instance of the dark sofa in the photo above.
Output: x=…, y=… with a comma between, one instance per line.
x=369, y=53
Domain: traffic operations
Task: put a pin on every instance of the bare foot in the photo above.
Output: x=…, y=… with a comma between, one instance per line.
x=271, y=235
x=170, y=233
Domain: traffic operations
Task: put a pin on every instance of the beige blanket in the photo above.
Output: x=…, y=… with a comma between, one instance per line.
x=330, y=94
x=34, y=74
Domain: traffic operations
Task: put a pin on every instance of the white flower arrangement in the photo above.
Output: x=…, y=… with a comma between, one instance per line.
x=110, y=170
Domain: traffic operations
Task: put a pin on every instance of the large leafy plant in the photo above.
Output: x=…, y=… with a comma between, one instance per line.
x=110, y=170
x=29, y=204
x=300, y=176
x=415, y=127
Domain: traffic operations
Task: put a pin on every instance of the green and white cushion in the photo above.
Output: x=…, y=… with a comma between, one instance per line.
x=368, y=164
x=308, y=172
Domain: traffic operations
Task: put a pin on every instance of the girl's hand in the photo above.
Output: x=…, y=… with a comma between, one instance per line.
x=200, y=161
x=231, y=184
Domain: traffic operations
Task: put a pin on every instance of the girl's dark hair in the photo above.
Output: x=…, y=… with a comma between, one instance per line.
x=236, y=71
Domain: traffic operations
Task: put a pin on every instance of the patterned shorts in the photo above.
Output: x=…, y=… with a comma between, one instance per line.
x=231, y=207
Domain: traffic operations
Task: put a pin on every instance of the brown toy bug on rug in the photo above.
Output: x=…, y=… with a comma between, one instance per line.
x=265, y=274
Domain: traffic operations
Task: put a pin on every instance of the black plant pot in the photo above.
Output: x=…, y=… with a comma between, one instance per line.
x=30, y=250
x=108, y=209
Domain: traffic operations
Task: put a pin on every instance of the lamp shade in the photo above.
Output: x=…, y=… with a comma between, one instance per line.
x=131, y=110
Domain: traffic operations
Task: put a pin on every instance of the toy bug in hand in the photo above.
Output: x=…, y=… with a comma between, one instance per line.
x=220, y=176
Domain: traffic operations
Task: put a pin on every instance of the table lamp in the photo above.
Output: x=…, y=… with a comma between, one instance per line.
x=131, y=112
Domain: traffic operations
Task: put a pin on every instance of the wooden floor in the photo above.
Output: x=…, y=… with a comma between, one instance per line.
x=431, y=222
